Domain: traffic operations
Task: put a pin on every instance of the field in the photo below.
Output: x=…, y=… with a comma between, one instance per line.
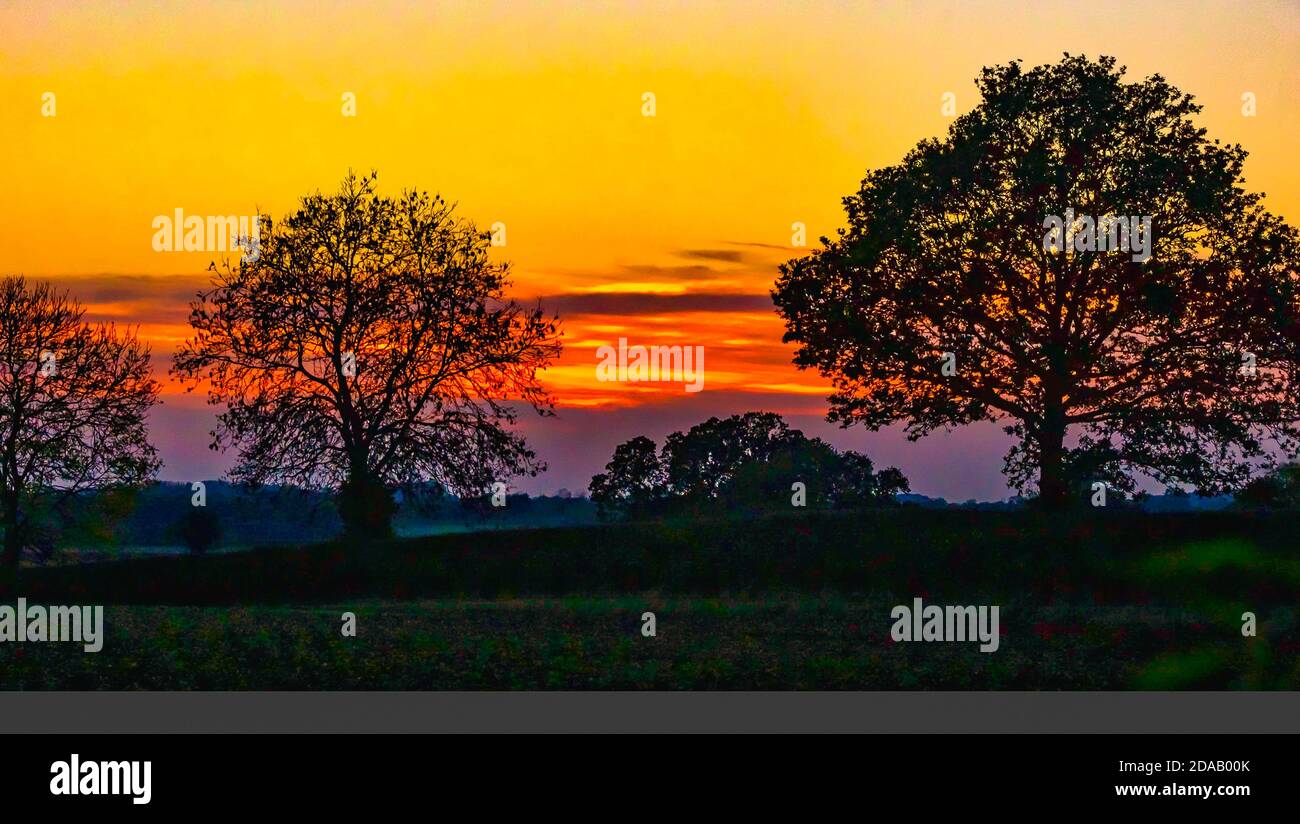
x=1125, y=601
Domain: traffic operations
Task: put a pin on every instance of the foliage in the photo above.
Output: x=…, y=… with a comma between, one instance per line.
x=73, y=402
x=745, y=463
x=369, y=347
x=1101, y=365
x=199, y=529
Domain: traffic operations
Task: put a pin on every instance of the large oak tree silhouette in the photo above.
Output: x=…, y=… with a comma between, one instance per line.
x=1102, y=366
x=368, y=347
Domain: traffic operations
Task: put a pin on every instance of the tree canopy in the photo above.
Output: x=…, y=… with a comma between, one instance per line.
x=369, y=346
x=745, y=462
x=978, y=280
x=74, y=397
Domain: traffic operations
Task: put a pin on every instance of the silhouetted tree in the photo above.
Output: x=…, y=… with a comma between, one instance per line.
x=744, y=463
x=199, y=529
x=1178, y=367
x=1279, y=489
x=854, y=482
x=73, y=401
x=633, y=481
x=765, y=482
x=368, y=346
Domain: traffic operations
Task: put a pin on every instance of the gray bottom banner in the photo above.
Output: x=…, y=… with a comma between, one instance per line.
x=489, y=712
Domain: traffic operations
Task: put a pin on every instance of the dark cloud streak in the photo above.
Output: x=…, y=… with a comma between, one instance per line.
x=653, y=304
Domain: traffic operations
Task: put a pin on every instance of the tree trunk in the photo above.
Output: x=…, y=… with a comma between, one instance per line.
x=366, y=506
x=1053, y=490
x=13, y=549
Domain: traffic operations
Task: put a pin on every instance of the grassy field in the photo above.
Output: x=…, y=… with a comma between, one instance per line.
x=1126, y=602
x=798, y=643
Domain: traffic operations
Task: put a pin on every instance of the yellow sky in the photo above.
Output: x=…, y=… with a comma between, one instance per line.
x=531, y=114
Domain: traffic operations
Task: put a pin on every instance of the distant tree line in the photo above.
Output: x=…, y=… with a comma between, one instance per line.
x=160, y=514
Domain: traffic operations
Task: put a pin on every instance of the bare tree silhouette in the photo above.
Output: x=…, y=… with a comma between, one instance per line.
x=73, y=401
x=1178, y=366
x=368, y=346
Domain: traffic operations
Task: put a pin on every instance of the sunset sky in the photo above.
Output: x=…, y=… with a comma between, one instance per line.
x=663, y=230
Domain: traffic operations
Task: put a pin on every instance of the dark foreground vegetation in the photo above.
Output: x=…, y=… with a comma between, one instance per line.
x=954, y=556
x=1100, y=600
x=702, y=643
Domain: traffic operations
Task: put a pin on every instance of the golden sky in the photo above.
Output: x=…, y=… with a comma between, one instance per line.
x=663, y=229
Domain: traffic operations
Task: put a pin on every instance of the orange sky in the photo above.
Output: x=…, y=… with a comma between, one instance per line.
x=663, y=229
